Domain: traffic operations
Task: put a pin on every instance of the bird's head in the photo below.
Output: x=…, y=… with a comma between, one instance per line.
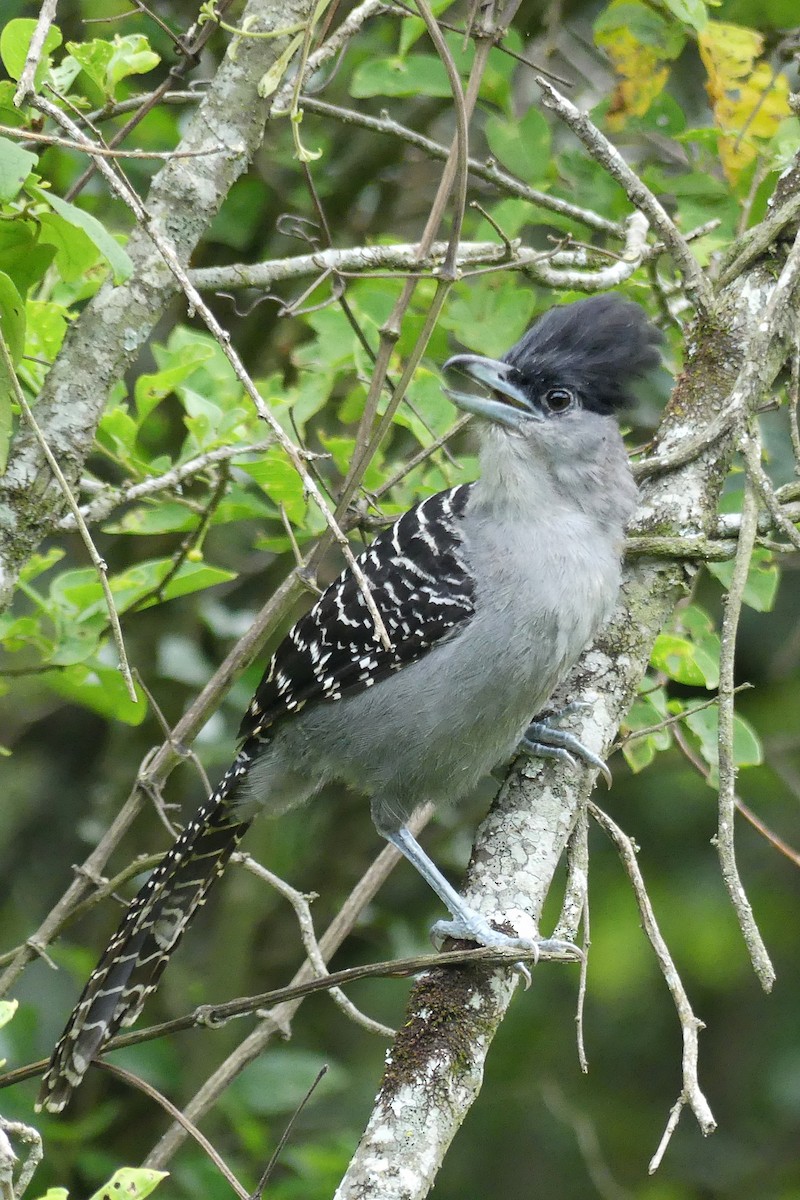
x=576, y=359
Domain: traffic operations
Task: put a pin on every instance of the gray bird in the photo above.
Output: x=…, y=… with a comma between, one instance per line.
x=489, y=592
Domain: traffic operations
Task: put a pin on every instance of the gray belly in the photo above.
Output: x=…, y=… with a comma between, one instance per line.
x=432, y=730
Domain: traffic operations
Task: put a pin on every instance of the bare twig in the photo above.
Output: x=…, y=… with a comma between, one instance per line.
x=101, y=151
x=110, y=498
x=574, y=912
x=27, y=80
x=404, y=258
x=8, y=1159
x=633, y=256
x=202, y=1141
x=587, y=1140
x=751, y=450
x=690, y=1024
x=605, y=153
x=258, y=1191
x=302, y=910
x=488, y=171
x=727, y=762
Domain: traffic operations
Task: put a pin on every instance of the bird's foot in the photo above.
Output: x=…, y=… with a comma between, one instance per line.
x=543, y=739
x=473, y=927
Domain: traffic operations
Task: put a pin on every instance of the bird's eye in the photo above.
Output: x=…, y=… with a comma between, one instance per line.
x=558, y=400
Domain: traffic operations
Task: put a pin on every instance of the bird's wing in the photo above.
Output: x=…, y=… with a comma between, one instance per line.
x=423, y=590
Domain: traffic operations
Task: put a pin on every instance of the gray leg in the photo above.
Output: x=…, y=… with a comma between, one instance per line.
x=543, y=739
x=466, y=924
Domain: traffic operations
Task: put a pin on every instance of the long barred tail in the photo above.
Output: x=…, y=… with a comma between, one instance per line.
x=151, y=929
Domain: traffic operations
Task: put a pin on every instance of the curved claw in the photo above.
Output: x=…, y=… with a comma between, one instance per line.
x=543, y=740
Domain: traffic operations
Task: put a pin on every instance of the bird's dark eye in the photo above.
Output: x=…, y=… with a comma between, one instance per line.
x=558, y=400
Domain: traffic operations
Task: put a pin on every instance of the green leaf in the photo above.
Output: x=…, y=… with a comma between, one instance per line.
x=37, y=564
x=92, y=58
x=100, y=688
x=763, y=578
x=23, y=257
x=417, y=75
x=114, y=254
x=118, y=431
x=9, y=113
x=193, y=577
x=75, y=254
x=80, y=594
x=641, y=23
x=412, y=29
x=14, y=42
x=523, y=147
x=279, y=480
x=12, y=328
x=747, y=749
x=150, y=390
x=646, y=711
x=130, y=1183
x=167, y=517
x=132, y=55
x=690, y=12
x=15, y=167
x=675, y=656
x=12, y=317
x=46, y=328
x=490, y=318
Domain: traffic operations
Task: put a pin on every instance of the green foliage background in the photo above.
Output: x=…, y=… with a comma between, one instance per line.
x=189, y=570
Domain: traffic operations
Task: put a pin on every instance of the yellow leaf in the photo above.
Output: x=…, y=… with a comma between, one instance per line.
x=748, y=98
x=643, y=78
x=639, y=42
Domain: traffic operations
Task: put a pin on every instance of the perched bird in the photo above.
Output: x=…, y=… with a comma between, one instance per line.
x=489, y=592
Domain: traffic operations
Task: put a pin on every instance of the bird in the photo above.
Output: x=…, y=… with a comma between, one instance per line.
x=489, y=592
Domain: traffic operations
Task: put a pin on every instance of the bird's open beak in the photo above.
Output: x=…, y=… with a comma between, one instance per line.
x=506, y=405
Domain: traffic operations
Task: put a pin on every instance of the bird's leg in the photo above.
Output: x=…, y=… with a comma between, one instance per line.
x=543, y=739
x=467, y=923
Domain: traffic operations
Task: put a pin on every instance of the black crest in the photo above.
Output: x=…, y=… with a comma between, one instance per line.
x=597, y=347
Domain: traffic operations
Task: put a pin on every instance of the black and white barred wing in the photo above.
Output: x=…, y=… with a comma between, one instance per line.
x=423, y=589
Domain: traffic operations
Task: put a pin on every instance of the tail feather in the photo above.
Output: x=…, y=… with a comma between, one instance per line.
x=137, y=954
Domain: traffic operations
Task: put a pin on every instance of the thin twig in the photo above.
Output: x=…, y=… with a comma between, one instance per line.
x=27, y=80
x=102, y=151
x=110, y=497
x=142, y=1085
x=690, y=1024
x=258, y=1191
x=574, y=913
x=639, y=195
x=489, y=172
x=732, y=607
x=98, y=562
x=751, y=450
x=214, y=1016
x=288, y=96
x=308, y=936
x=33, y=1140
